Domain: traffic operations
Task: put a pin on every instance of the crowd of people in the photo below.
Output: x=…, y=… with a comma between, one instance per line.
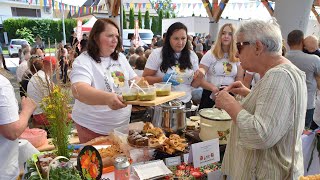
x=277, y=88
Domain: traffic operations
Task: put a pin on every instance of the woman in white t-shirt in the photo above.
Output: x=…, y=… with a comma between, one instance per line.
x=97, y=76
x=220, y=64
x=173, y=59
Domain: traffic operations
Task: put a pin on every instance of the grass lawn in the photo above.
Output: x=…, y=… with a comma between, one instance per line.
x=5, y=50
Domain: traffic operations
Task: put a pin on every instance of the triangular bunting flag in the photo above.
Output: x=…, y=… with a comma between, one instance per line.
x=251, y=5
x=199, y=4
x=36, y=2
x=128, y=5
x=139, y=5
x=41, y=3
x=56, y=5
x=179, y=5
x=194, y=5
x=245, y=5
x=240, y=5
x=258, y=3
x=184, y=5
x=65, y=6
x=131, y=5
x=45, y=3
x=234, y=6
x=221, y=5
x=215, y=5
x=160, y=5
x=50, y=3
x=189, y=4
x=156, y=6
x=205, y=4
x=59, y=6
x=84, y=11
x=143, y=5
x=148, y=5
x=135, y=5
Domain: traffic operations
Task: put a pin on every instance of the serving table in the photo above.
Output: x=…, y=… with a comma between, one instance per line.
x=48, y=146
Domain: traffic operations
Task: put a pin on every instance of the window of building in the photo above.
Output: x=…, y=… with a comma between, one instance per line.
x=25, y=12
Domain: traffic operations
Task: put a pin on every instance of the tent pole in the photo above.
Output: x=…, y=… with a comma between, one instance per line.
x=121, y=19
x=63, y=26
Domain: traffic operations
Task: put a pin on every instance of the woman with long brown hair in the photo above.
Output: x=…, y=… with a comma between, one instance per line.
x=220, y=64
x=97, y=75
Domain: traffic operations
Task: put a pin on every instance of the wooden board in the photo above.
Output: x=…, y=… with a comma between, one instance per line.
x=159, y=100
x=48, y=146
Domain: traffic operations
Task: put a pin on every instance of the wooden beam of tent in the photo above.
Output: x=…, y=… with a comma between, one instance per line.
x=269, y=8
x=313, y=9
x=215, y=7
x=208, y=8
x=219, y=10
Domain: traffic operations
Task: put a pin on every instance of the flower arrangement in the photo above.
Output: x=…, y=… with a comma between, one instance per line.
x=56, y=108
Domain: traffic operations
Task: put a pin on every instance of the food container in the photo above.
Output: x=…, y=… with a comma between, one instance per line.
x=214, y=123
x=129, y=94
x=37, y=137
x=163, y=89
x=148, y=94
x=170, y=116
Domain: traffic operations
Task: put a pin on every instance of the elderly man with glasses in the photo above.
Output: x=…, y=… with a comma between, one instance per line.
x=265, y=138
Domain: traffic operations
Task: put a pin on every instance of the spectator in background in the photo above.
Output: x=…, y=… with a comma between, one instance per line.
x=139, y=65
x=310, y=64
x=131, y=52
x=63, y=62
x=37, y=52
x=311, y=45
x=83, y=43
x=161, y=41
x=73, y=40
x=199, y=46
x=2, y=59
x=147, y=53
x=194, y=42
x=133, y=59
x=37, y=88
x=140, y=51
x=23, y=67
x=20, y=54
x=39, y=43
x=208, y=43
x=35, y=64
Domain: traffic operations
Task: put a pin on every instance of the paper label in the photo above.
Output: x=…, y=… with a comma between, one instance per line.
x=173, y=161
x=205, y=153
x=186, y=158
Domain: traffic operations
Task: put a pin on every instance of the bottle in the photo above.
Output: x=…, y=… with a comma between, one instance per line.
x=122, y=168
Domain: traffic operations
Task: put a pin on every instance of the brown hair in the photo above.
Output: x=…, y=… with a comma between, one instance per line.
x=35, y=64
x=217, y=48
x=93, y=46
x=140, y=63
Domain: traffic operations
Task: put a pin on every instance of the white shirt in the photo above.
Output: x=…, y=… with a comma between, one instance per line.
x=38, y=89
x=9, y=150
x=138, y=72
x=220, y=72
x=184, y=78
x=21, y=70
x=109, y=76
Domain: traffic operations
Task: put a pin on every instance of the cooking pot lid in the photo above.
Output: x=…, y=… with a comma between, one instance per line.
x=172, y=104
x=214, y=114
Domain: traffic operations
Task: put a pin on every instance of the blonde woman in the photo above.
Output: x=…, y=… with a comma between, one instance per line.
x=220, y=64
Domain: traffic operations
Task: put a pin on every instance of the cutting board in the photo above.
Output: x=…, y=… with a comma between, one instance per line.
x=48, y=146
x=159, y=100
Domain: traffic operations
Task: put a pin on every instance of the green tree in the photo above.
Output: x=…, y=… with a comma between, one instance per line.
x=147, y=20
x=167, y=16
x=140, y=19
x=131, y=19
x=160, y=21
x=124, y=19
x=154, y=25
x=25, y=33
x=166, y=5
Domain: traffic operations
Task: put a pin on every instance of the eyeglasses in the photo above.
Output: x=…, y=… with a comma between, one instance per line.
x=241, y=44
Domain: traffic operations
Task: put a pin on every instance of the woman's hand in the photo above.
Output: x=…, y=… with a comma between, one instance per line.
x=116, y=101
x=227, y=102
x=237, y=88
x=199, y=74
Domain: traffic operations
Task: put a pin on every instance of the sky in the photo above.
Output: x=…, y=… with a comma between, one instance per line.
x=235, y=9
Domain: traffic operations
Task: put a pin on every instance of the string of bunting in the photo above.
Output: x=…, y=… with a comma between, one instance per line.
x=55, y=5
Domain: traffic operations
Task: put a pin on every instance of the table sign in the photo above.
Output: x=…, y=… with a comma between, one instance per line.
x=173, y=161
x=185, y=158
x=204, y=153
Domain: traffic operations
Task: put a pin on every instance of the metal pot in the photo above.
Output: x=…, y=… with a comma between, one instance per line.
x=214, y=123
x=170, y=116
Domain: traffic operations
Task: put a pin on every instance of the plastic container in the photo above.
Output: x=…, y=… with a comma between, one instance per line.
x=129, y=94
x=148, y=94
x=163, y=88
x=123, y=131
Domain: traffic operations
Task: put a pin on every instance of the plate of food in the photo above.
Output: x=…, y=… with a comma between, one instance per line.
x=89, y=163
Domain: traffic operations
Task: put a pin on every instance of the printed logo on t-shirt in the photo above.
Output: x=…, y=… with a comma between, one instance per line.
x=227, y=67
x=118, y=78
